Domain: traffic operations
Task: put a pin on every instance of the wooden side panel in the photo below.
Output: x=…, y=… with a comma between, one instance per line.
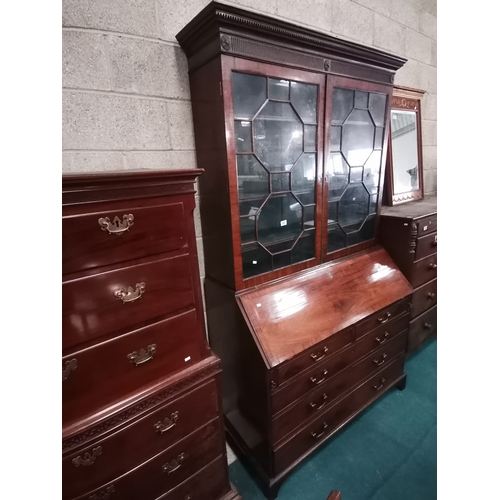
x=292, y=315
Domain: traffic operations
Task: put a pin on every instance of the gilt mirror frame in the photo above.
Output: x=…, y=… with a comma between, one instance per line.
x=405, y=99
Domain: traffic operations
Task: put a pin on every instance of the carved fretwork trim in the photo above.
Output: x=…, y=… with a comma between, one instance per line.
x=139, y=408
x=406, y=197
x=413, y=237
x=404, y=103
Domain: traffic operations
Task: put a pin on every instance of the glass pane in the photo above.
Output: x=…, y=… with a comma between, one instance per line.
x=280, y=219
x=282, y=260
x=373, y=203
x=366, y=232
x=353, y=207
x=360, y=99
x=255, y=260
x=335, y=134
x=279, y=89
x=342, y=104
x=372, y=172
x=309, y=215
x=338, y=175
x=304, y=98
x=377, y=108
x=310, y=138
x=356, y=174
x=304, y=248
x=280, y=182
x=357, y=138
x=251, y=207
x=404, y=151
x=249, y=94
x=278, y=135
x=336, y=238
x=379, y=137
x=253, y=179
x=243, y=137
x=333, y=211
x=247, y=229
x=304, y=175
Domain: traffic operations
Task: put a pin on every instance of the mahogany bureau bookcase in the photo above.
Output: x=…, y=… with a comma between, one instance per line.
x=308, y=313
x=409, y=233
x=141, y=405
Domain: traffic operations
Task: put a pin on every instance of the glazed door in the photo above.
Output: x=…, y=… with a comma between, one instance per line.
x=355, y=144
x=274, y=134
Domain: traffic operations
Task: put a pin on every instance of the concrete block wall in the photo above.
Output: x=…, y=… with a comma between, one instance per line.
x=126, y=100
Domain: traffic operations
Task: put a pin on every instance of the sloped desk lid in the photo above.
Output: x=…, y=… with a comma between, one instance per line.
x=296, y=313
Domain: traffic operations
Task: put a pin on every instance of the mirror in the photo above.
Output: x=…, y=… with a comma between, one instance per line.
x=404, y=160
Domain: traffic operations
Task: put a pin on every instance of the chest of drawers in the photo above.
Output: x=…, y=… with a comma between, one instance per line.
x=409, y=234
x=141, y=405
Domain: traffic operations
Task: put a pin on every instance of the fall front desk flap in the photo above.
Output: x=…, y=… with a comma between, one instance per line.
x=294, y=314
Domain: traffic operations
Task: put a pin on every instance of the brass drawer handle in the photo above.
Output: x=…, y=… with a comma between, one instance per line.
x=69, y=366
x=433, y=267
x=317, y=435
x=318, y=356
x=144, y=355
x=116, y=227
x=431, y=295
x=174, y=464
x=382, y=361
x=427, y=326
x=103, y=494
x=129, y=294
x=167, y=424
x=315, y=405
x=382, y=340
x=435, y=242
x=88, y=458
x=314, y=380
x=386, y=319
x=378, y=387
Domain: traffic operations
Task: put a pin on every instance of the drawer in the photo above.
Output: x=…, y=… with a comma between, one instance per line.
x=91, y=309
x=426, y=245
x=313, y=356
x=123, y=450
x=381, y=335
x=423, y=298
x=107, y=237
x=427, y=225
x=321, y=399
x=422, y=328
x=382, y=317
x=166, y=470
x=107, y=372
x=211, y=483
x=325, y=425
x=308, y=381
x=424, y=270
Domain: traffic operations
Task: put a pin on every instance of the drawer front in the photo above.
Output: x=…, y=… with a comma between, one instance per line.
x=95, y=377
x=424, y=270
x=101, y=238
x=426, y=245
x=211, y=483
x=166, y=470
x=322, y=427
x=320, y=400
x=382, y=317
x=423, y=298
x=313, y=356
x=91, y=308
x=381, y=335
x=427, y=225
x=308, y=382
x=422, y=328
x=129, y=447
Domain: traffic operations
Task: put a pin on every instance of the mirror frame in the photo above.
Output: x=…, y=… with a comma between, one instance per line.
x=407, y=99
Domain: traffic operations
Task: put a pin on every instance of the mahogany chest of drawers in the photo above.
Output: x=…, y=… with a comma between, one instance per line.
x=141, y=398
x=409, y=234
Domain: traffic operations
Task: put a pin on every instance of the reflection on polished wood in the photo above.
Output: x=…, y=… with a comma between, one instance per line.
x=294, y=314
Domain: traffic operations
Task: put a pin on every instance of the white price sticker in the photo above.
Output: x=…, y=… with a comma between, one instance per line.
x=283, y=223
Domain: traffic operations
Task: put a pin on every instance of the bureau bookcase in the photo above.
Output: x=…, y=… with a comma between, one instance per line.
x=307, y=312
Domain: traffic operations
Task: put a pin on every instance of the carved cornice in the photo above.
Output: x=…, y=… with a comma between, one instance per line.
x=218, y=19
x=139, y=408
